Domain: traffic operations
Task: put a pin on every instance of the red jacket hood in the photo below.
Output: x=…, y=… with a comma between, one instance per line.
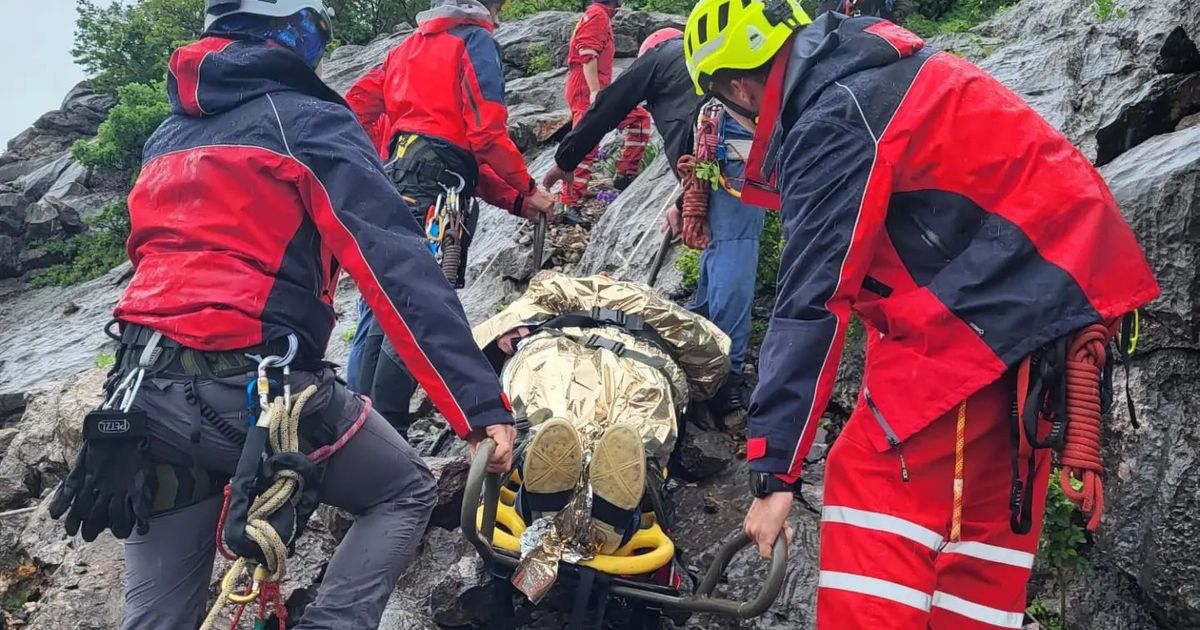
x=444, y=15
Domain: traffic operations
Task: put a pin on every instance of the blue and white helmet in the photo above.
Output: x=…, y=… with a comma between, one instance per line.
x=215, y=10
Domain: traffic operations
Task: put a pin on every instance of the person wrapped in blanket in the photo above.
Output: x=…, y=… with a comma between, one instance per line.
x=603, y=370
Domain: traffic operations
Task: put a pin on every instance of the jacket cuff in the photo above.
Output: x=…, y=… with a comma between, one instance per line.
x=518, y=205
x=486, y=414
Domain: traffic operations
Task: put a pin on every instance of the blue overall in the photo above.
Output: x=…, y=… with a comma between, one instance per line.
x=725, y=291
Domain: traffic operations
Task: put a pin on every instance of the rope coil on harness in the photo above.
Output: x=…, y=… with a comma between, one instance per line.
x=282, y=419
x=699, y=175
x=1081, y=457
x=695, y=204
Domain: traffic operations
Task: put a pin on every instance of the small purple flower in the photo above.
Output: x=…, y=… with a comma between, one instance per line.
x=606, y=196
x=601, y=154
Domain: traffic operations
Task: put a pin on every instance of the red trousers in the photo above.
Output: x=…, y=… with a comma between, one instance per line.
x=636, y=129
x=888, y=555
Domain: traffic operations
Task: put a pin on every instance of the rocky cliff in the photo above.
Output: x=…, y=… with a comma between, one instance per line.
x=1125, y=90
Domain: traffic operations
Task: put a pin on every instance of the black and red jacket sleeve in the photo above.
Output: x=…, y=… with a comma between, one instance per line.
x=486, y=114
x=612, y=105
x=353, y=203
x=834, y=199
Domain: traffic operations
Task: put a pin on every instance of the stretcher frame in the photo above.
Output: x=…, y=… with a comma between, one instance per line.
x=486, y=486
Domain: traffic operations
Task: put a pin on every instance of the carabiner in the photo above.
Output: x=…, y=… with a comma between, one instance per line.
x=230, y=581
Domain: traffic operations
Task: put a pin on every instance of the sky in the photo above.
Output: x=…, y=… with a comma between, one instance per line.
x=36, y=69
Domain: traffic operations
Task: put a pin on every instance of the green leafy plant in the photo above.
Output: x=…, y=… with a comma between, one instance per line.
x=689, y=265
x=1106, y=10
x=140, y=109
x=90, y=254
x=540, y=60
x=653, y=150
x=1063, y=540
x=360, y=21
x=758, y=331
x=348, y=334
x=105, y=360
x=770, y=248
x=1047, y=619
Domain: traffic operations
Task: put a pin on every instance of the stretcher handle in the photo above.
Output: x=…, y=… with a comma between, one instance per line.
x=770, y=587
x=539, y=242
x=480, y=482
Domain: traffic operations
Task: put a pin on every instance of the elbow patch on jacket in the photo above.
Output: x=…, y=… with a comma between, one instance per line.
x=483, y=55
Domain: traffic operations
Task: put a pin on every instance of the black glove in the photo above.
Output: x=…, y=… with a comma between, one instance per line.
x=113, y=482
x=254, y=475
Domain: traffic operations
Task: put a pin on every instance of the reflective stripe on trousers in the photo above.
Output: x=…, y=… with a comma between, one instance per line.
x=887, y=560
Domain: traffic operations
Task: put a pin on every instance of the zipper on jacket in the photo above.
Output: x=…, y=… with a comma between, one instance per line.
x=932, y=239
x=892, y=440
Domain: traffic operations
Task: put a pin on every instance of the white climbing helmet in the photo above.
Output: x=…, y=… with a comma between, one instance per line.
x=216, y=9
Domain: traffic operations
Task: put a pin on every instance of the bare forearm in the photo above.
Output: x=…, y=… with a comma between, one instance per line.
x=591, y=74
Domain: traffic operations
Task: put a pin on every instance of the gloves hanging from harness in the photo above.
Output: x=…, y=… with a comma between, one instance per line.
x=252, y=485
x=113, y=481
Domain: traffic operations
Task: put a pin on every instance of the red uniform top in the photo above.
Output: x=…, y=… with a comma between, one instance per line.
x=592, y=39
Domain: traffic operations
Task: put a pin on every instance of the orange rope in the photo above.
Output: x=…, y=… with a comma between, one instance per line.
x=960, y=443
x=1081, y=458
x=695, y=204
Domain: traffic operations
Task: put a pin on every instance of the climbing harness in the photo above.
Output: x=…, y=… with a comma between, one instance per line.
x=445, y=228
x=1063, y=390
x=249, y=527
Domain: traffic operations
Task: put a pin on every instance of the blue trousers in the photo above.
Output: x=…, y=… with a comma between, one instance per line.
x=725, y=291
x=357, y=347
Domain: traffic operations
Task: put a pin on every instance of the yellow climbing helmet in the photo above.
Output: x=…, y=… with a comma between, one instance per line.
x=737, y=35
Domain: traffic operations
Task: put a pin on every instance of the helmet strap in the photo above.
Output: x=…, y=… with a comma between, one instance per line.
x=735, y=107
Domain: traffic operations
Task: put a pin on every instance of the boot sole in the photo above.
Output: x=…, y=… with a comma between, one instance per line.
x=554, y=459
x=618, y=471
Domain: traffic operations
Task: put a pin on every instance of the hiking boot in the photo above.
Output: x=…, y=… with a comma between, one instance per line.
x=621, y=182
x=729, y=404
x=553, y=463
x=618, y=478
x=575, y=216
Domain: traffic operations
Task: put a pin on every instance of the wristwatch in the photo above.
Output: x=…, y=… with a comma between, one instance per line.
x=763, y=484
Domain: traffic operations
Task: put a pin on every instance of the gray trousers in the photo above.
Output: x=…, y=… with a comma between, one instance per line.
x=377, y=477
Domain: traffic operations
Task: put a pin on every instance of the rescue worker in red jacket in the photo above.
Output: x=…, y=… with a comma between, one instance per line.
x=253, y=196
x=436, y=107
x=965, y=233
x=590, y=57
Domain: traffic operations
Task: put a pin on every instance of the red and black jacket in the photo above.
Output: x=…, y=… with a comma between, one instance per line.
x=254, y=194
x=922, y=195
x=447, y=81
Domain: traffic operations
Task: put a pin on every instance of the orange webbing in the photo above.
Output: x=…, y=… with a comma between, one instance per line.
x=695, y=204
x=960, y=443
x=1080, y=457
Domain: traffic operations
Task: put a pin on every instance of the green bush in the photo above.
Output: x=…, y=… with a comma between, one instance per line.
x=140, y=109
x=936, y=17
x=360, y=21
x=516, y=9
x=540, y=60
x=131, y=42
x=1106, y=10
x=90, y=254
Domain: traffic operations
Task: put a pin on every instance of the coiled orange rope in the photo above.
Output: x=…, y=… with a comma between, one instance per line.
x=1081, y=457
x=695, y=204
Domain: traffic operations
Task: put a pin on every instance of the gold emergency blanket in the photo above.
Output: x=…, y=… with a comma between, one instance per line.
x=555, y=373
